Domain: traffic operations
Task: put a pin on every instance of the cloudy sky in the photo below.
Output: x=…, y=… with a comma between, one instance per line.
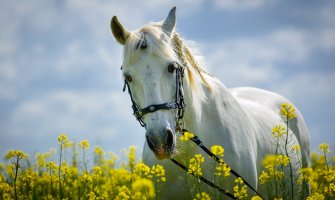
x=59, y=65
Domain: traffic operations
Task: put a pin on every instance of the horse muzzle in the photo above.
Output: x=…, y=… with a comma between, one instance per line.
x=161, y=143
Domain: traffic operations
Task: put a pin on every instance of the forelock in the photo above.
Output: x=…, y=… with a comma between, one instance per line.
x=157, y=41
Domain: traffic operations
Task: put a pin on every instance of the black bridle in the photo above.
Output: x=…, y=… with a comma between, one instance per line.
x=179, y=105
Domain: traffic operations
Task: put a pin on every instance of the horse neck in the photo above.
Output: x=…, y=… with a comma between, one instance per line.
x=207, y=107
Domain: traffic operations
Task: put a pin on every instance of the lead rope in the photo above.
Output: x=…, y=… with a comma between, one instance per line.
x=199, y=143
x=213, y=185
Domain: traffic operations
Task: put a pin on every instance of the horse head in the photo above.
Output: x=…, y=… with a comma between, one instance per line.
x=151, y=69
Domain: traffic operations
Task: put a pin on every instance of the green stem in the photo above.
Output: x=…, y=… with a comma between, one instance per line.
x=286, y=152
x=59, y=171
x=15, y=177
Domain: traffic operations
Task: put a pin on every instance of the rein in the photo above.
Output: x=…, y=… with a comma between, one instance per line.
x=179, y=106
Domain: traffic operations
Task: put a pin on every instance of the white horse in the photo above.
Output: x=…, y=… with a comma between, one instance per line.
x=239, y=119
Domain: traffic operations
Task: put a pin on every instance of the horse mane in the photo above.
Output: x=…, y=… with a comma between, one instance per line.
x=187, y=55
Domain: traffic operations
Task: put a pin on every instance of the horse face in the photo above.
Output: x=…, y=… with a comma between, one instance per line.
x=149, y=69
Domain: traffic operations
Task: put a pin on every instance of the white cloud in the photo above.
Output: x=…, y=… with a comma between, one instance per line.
x=310, y=88
x=240, y=4
x=69, y=110
x=255, y=60
x=103, y=117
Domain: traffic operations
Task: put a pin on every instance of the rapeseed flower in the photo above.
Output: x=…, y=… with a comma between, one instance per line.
x=195, y=165
x=98, y=151
x=158, y=172
x=217, y=150
x=324, y=147
x=222, y=168
x=278, y=131
x=264, y=177
x=84, y=144
x=287, y=110
x=316, y=196
x=145, y=187
x=240, y=190
x=18, y=154
x=142, y=170
x=124, y=193
x=91, y=196
x=63, y=141
x=131, y=157
x=256, y=198
x=186, y=136
x=202, y=196
x=296, y=148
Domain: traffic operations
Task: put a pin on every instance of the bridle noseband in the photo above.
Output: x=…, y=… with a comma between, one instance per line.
x=178, y=104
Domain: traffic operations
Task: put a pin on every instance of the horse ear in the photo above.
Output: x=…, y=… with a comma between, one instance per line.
x=170, y=22
x=119, y=32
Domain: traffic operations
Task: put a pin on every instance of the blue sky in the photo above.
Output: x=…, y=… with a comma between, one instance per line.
x=59, y=65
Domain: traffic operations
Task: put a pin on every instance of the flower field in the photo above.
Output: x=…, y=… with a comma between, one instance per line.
x=77, y=171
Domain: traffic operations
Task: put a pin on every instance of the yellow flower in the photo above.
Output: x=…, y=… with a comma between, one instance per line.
x=131, y=157
x=316, y=196
x=330, y=190
x=223, y=167
x=52, y=167
x=217, y=150
x=158, y=172
x=63, y=140
x=202, y=196
x=287, y=110
x=141, y=170
x=16, y=154
x=91, y=196
x=256, y=198
x=144, y=186
x=97, y=170
x=240, y=192
x=324, y=147
x=296, y=148
x=278, y=131
x=99, y=151
x=238, y=180
x=264, y=177
x=195, y=165
x=124, y=193
x=186, y=136
x=84, y=144
x=283, y=160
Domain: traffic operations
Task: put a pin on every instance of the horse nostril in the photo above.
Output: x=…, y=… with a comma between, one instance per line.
x=169, y=139
x=151, y=146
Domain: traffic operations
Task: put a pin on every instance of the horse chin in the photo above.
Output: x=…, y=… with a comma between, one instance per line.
x=162, y=153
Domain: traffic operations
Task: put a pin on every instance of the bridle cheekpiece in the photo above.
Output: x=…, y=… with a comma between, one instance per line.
x=178, y=104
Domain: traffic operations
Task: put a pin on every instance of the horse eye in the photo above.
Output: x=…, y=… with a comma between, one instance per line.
x=171, y=68
x=128, y=78
x=144, y=45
